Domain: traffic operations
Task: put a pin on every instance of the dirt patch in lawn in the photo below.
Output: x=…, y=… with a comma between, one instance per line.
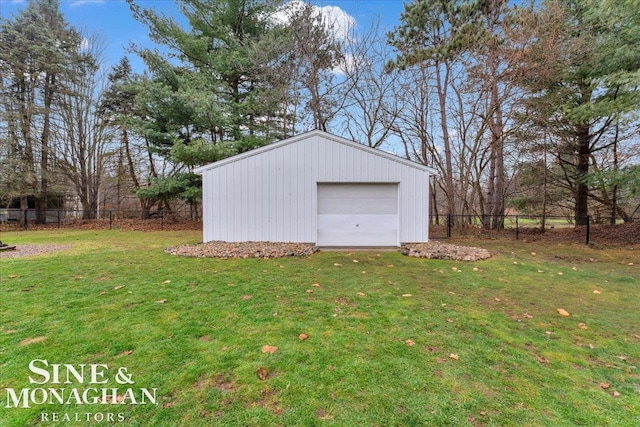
x=33, y=340
x=31, y=250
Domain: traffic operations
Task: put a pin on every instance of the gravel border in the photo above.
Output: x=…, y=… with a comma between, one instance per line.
x=225, y=250
x=437, y=250
x=32, y=250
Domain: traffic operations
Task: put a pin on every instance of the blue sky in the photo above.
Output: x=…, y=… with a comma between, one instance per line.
x=113, y=19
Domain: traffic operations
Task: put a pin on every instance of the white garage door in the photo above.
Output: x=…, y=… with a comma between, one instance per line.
x=357, y=215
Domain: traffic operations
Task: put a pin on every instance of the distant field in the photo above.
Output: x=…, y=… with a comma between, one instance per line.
x=391, y=340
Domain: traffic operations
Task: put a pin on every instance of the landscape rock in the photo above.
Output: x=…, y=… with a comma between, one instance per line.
x=438, y=250
x=226, y=250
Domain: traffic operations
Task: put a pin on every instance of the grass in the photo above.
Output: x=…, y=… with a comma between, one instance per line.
x=490, y=348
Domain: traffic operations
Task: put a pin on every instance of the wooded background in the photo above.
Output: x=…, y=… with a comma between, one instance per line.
x=527, y=108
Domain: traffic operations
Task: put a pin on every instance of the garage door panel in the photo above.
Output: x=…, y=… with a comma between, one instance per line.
x=357, y=214
x=339, y=205
x=357, y=198
x=356, y=238
x=363, y=223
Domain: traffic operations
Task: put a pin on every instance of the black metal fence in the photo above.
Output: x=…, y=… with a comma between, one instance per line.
x=441, y=227
x=31, y=219
x=517, y=226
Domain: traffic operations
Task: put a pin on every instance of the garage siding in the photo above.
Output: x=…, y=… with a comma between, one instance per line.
x=271, y=194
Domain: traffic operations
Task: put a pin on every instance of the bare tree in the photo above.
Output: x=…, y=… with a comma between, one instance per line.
x=369, y=113
x=83, y=134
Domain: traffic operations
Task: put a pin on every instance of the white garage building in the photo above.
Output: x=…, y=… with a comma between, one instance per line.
x=316, y=188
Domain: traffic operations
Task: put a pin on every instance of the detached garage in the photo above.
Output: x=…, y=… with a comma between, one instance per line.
x=316, y=188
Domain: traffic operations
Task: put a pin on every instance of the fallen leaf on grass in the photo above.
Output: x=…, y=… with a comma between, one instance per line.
x=303, y=337
x=560, y=273
x=103, y=293
x=604, y=385
x=355, y=261
x=595, y=291
x=309, y=291
x=166, y=282
x=541, y=359
x=269, y=349
x=337, y=264
x=316, y=285
x=528, y=316
x=390, y=265
x=360, y=294
x=563, y=312
x=582, y=326
x=12, y=276
x=410, y=343
x=118, y=287
x=497, y=299
x=119, y=399
x=454, y=356
x=161, y=301
x=127, y=352
x=615, y=394
x=451, y=293
x=407, y=295
x=246, y=297
x=263, y=373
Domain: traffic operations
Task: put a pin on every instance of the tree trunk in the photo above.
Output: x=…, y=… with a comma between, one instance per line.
x=41, y=200
x=581, y=208
x=442, y=100
x=498, y=154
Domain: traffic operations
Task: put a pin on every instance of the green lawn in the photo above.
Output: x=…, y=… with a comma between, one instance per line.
x=393, y=341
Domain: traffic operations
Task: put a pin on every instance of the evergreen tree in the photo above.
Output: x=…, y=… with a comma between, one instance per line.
x=36, y=49
x=585, y=70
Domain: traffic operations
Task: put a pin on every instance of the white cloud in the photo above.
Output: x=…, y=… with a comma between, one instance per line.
x=339, y=22
x=76, y=3
x=85, y=45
